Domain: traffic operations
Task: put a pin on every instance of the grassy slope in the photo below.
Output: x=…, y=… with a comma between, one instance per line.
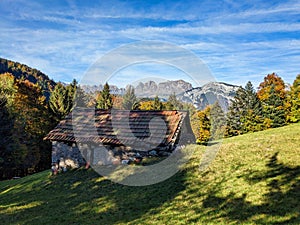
x=255, y=179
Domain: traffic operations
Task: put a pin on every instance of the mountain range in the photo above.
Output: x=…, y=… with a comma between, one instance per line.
x=200, y=97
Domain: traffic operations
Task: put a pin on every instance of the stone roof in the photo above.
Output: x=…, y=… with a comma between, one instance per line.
x=119, y=127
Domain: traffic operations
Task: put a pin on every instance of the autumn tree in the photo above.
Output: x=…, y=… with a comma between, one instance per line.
x=146, y=104
x=25, y=120
x=269, y=81
x=294, y=102
x=117, y=101
x=33, y=122
x=201, y=124
x=11, y=151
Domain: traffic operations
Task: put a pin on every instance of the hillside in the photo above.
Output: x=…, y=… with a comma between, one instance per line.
x=22, y=71
x=255, y=179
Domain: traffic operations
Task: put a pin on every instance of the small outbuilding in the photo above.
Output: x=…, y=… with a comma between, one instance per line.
x=89, y=136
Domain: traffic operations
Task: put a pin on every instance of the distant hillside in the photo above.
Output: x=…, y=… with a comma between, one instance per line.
x=209, y=93
x=25, y=72
x=255, y=179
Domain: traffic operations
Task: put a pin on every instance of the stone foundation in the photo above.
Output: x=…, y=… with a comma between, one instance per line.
x=66, y=155
x=75, y=156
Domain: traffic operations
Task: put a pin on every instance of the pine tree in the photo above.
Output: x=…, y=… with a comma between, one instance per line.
x=272, y=94
x=156, y=104
x=104, y=99
x=218, y=121
x=61, y=101
x=130, y=101
x=274, y=110
x=81, y=98
x=236, y=113
x=245, y=112
x=173, y=103
x=253, y=116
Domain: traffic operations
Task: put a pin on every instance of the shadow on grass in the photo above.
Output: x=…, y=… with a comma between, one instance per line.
x=281, y=202
x=82, y=197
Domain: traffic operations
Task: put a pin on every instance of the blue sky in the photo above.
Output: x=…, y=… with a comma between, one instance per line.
x=237, y=40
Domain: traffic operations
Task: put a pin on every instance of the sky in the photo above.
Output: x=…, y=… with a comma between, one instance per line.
x=237, y=41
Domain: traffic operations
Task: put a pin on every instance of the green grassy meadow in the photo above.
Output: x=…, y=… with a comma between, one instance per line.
x=255, y=179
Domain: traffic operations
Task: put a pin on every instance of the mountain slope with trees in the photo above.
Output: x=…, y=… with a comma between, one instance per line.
x=24, y=72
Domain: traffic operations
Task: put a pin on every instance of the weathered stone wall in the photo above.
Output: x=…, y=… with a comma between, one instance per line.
x=67, y=155
x=75, y=156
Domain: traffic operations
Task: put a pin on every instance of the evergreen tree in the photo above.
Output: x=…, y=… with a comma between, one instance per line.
x=236, y=113
x=245, y=112
x=104, y=99
x=156, y=104
x=274, y=110
x=253, y=115
x=173, y=103
x=61, y=101
x=272, y=94
x=81, y=98
x=130, y=101
x=218, y=121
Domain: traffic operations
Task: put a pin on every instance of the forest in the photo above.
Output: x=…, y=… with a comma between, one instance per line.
x=31, y=105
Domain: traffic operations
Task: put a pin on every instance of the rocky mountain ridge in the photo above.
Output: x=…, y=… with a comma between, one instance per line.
x=163, y=89
x=208, y=94
x=200, y=97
